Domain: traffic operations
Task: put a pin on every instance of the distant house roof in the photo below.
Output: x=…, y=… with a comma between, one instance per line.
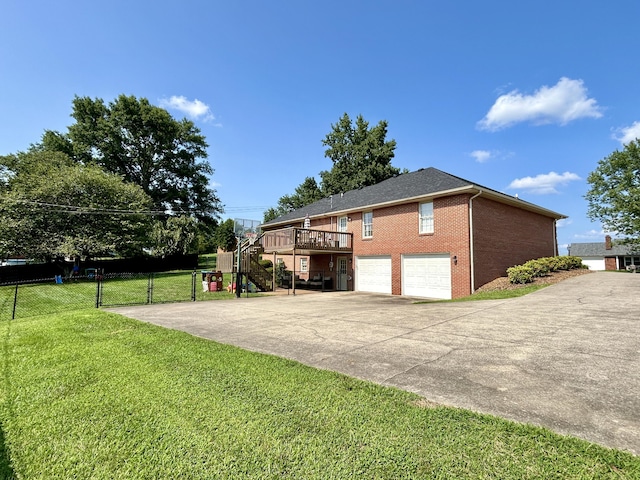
x=598, y=249
x=424, y=183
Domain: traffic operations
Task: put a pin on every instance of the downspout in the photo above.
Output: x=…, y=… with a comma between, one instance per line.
x=471, y=257
x=555, y=238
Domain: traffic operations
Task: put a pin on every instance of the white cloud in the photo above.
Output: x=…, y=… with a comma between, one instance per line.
x=193, y=109
x=591, y=234
x=560, y=104
x=563, y=222
x=544, y=183
x=628, y=134
x=481, y=156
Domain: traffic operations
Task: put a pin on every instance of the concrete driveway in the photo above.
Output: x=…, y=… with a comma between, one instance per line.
x=566, y=357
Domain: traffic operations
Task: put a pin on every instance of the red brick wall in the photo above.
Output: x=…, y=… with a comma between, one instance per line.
x=505, y=236
x=396, y=232
x=610, y=263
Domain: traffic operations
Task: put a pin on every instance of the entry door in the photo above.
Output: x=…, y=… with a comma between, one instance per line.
x=342, y=227
x=342, y=275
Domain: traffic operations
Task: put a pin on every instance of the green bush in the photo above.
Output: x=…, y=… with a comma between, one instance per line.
x=574, y=262
x=520, y=274
x=539, y=267
x=265, y=263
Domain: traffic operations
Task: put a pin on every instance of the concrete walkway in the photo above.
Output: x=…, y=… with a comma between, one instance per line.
x=566, y=357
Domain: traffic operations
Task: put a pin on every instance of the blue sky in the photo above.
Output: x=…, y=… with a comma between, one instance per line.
x=523, y=97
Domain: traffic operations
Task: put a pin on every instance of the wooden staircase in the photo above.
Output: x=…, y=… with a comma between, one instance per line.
x=257, y=274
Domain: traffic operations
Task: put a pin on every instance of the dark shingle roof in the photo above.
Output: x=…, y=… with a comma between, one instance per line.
x=421, y=183
x=597, y=249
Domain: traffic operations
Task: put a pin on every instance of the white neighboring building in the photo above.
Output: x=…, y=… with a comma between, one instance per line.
x=605, y=255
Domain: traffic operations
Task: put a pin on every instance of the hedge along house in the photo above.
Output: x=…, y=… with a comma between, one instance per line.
x=426, y=234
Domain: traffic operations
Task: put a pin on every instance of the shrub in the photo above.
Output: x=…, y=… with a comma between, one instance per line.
x=555, y=264
x=574, y=262
x=265, y=263
x=539, y=267
x=520, y=274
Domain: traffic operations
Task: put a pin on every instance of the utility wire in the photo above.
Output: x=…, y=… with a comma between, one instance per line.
x=85, y=210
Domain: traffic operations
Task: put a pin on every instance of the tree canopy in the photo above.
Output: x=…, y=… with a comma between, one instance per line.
x=53, y=207
x=173, y=237
x=225, y=236
x=614, y=196
x=145, y=145
x=361, y=157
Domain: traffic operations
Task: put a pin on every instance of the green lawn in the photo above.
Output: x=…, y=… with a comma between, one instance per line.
x=91, y=394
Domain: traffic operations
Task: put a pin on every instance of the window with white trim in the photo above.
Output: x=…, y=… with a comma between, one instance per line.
x=367, y=225
x=426, y=217
x=304, y=265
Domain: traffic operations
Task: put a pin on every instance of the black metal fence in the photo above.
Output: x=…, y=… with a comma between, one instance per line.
x=59, y=294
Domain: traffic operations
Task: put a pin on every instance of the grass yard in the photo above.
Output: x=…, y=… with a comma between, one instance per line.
x=135, y=289
x=91, y=394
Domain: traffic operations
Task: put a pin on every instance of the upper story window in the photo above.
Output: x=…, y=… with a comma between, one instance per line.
x=426, y=217
x=367, y=225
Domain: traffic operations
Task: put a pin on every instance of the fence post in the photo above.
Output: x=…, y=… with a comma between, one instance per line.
x=98, y=287
x=150, y=289
x=193, y=286
x=15, y=303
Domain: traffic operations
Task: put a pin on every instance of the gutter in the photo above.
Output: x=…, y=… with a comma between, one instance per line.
x=471, y=257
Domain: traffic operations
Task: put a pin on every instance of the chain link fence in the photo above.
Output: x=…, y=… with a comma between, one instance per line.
x=60, y=294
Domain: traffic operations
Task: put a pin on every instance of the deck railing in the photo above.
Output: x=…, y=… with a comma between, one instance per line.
x=306, y=239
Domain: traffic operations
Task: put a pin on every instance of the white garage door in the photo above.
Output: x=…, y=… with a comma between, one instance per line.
x=594, y=263
x=426, y=276
x=373, y=274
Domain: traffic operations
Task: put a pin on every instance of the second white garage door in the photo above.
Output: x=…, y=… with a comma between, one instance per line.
x=426, y=276
x=373, y=274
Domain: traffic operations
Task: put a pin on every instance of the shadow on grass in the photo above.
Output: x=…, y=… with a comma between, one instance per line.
x=6, y=471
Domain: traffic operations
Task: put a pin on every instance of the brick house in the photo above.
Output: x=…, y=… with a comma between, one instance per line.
x=606, y=255
x=426, y=233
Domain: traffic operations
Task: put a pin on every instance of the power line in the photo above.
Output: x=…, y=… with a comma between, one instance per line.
x=88, y=210
x=76, y=209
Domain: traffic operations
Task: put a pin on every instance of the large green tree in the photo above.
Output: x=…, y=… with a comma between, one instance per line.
x=53, y=207
x=145, y=145
x=614, y=196
x=361, y=156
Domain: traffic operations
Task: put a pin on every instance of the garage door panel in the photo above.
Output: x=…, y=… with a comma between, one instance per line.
x=373, y=274
x=594, y=263
x=427, y=275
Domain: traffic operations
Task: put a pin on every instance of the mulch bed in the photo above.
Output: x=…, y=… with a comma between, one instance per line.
x=503, y=283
